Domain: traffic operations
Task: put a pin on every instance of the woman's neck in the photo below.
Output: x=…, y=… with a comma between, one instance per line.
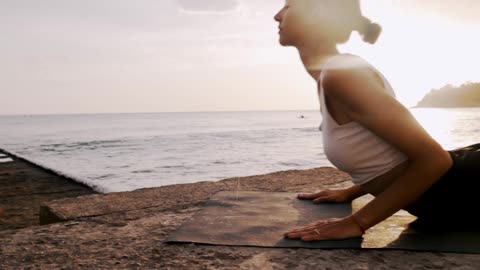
x=314, y=57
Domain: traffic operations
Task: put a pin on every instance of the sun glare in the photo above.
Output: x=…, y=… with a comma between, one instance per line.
x=418, y=53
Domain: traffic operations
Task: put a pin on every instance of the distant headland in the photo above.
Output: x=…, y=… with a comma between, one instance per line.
x=466, y=95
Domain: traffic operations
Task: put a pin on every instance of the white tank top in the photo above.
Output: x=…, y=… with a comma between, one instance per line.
x=353, y=148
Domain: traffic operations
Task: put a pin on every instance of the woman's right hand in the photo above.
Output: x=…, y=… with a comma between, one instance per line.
x=327, y=196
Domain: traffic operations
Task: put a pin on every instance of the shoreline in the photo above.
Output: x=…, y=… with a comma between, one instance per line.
x=125, y=230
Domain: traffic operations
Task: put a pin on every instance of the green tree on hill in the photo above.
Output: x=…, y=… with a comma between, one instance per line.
x=466, y=95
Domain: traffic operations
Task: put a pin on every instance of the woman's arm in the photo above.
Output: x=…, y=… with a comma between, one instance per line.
x=356, y=191
x=363, y=98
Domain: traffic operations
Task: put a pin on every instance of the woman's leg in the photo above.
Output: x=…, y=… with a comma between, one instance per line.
x=451, y=203
x=468, y=160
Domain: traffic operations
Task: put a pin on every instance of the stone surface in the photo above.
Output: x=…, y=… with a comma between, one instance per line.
x=126, y=231
x=184, y=195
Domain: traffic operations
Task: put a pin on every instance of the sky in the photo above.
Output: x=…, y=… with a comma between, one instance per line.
x=107, y=56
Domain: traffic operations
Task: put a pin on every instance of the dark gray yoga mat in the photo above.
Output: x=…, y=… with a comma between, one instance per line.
x=250, y=218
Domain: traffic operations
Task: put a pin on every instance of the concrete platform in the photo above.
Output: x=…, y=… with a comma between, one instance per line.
x=126, y=230
x=24, y=187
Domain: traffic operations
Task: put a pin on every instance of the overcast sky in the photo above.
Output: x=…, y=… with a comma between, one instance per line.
x=97, y=56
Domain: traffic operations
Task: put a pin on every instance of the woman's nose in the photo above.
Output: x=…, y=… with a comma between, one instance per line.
x=277, y=17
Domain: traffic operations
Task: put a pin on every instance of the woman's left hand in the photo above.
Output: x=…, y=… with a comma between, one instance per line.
x=329, y=229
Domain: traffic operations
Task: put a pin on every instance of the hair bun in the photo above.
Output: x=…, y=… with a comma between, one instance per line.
x=371, y=32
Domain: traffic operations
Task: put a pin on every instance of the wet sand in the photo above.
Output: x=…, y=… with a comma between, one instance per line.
x=126, y=230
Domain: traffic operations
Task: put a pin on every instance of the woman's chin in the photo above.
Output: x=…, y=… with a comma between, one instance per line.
x=284, y=42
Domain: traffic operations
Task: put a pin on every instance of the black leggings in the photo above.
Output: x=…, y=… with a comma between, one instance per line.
x=455, y=198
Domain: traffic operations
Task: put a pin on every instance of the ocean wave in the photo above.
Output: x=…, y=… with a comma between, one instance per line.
x=289, y=164
x=173, y=167
x=235, y=133
x=307, y=129
x=143, y=171
x=104, y=176
x=118, y=167
x=90, y=145
x=223, y=162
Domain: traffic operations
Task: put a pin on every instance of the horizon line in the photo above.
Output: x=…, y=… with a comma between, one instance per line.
x=153, y=112
x=219, y=111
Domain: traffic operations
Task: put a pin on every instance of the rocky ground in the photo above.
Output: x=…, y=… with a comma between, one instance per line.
x=126, y=230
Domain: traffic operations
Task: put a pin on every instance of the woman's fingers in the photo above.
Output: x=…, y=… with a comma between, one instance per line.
x=313, y=237
x=307, y=195
x=329, y=229
x=300, y=233
x=312, y=195
x=328, y=198
x=302, y=229
x=307, y=232
x=310, y=228
x=313, y=224
x=306, y=228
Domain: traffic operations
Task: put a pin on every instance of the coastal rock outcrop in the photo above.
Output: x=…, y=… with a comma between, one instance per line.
x=466, y=95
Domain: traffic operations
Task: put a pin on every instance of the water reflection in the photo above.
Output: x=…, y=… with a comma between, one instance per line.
x=451, y=127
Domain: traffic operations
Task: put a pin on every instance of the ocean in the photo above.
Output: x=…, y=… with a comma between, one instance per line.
x=123, y=152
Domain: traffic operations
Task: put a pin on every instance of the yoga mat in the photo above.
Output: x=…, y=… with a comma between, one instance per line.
x=251, y=218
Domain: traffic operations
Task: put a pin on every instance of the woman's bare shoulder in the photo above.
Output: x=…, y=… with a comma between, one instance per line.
x=345, y=62
x=352, y=73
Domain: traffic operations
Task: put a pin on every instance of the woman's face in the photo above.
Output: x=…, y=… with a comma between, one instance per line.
x=304, y=21
x=292, y=23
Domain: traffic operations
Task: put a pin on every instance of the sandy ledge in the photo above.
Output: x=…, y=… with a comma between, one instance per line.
x=126, y=230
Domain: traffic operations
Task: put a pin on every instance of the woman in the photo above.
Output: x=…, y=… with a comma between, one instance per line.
x=366, y=131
